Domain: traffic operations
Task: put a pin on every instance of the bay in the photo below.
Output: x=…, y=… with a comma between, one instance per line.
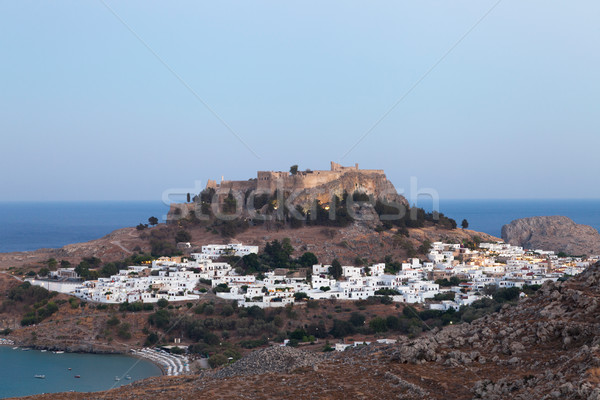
x=97, y=371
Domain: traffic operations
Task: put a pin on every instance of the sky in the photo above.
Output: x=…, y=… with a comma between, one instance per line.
x=107, y=100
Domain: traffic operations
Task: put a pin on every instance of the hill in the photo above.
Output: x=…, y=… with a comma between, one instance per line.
x=543, y=347
x=327, y=243
x=557, y=233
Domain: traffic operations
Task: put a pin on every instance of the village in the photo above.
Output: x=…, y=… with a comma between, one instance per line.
x=452, y=276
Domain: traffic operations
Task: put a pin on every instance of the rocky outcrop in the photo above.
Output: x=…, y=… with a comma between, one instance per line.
x=552, y=233
x=300, y=189
x=543, y=347
x=272, y=359
x=376, y=185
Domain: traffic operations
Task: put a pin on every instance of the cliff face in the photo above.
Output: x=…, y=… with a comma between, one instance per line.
x=552, y=233
x=376, y=185
x=304, y=188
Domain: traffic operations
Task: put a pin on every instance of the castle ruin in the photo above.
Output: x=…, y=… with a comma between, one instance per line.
x=304, y=187
x=269, y=181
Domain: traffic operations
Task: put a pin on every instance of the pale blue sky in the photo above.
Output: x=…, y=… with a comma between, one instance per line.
x=88, y=113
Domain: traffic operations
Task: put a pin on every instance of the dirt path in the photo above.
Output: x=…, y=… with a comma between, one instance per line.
x=118, y=243
x=12, y=276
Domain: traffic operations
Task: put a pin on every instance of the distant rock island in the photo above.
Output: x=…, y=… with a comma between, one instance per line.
x=557, y=233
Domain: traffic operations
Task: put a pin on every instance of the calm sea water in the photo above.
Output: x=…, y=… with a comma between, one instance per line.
x=97, y=371
x=490, y=215
x=30, y=226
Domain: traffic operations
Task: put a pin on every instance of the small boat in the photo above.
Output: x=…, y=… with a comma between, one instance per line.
x=77, y=376
x=24, y=349
x=69, y=369
x=117, y=378
x=16, y=348
x=59, y=352
x=128, y=377
x=40, y=376
x=43, y=351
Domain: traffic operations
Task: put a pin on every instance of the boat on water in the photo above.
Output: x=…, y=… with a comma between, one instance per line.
x=16, y=348
x=117, y=378
x=40, y=376
x=128, y=377
x=77, y=376
x=24, y=349
x=69, y=369
x=59, y=352
x=43, y=351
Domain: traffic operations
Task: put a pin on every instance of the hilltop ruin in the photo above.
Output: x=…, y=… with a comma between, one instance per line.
x=304, y=187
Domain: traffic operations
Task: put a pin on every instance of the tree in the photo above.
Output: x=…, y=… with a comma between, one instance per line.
x=109, y=269
x=286, y=245
x=162, y=303
x=308, y=259
x=83, y=269
x=152, y=339
x=425, y=247
x=251, y=263
x=357, y=319
x=294, y=169
x=465, y=224
x=336, y=269
x=217, y=360
x=153, y=221
x=506, y=294
x=279, y=253
x=378, y=324
x=229, y=204
x=160, y=319
x=300, y=296
x=183, y=236
x=341, y=328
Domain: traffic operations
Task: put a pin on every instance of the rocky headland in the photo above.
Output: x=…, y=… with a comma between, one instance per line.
x=557, y=233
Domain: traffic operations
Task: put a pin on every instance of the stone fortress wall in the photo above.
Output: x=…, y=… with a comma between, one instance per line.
x=308, y=186
x=269, y=181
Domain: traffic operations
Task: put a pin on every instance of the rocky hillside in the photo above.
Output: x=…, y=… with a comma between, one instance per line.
x=545, y=347
x=115, y=246
x=376, y=185
x=553, y=233
x=356, y=240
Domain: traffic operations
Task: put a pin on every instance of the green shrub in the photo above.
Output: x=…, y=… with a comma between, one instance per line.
x=123, y=331
x=217, y=360
x=162, y=303
x=378, y=324
x=160, y=319
x=151, y=340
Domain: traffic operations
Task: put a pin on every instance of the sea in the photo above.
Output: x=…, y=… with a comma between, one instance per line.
x=28, y=226
x=33, y=225
x=97, y=371
x=489, y=216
